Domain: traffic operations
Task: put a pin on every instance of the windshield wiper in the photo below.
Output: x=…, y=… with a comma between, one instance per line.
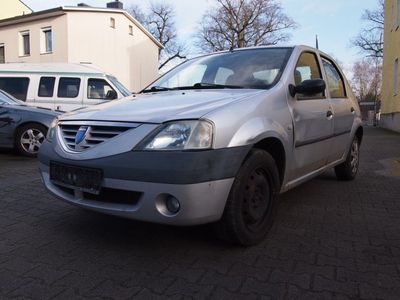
x=157, y=88
x=208, y=85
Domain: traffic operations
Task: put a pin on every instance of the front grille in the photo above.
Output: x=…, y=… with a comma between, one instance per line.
x=93, y=134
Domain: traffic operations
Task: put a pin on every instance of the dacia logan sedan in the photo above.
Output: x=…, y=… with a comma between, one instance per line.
x=215, y=140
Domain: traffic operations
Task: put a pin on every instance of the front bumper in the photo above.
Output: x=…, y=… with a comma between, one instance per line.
x=200, y=181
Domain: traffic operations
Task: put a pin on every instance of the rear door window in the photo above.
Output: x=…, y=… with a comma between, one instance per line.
x=15, y=86
x=98, y=89
x=335, y=80
x=46, y=86
x=68, y=87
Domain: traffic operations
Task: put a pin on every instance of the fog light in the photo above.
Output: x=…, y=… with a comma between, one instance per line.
x=173, y=205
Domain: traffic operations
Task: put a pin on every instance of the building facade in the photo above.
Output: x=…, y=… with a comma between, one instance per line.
x=109, y=38
x=12, y=8
x=390, y=106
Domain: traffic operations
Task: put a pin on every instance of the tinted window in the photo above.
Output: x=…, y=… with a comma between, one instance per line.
x=335, y=80
x=46, y=86
x=17, y=87
x=98, y=89
x=307, y=68
x=68, y=87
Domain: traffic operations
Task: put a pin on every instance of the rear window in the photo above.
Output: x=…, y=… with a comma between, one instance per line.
x=16, y=86
x=68, y=87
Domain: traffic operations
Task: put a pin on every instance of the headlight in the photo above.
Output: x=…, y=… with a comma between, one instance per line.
x=52, y=130
x=181, y=135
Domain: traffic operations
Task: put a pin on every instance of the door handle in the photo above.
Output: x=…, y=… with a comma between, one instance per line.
x=329, y=114
x=352, y=110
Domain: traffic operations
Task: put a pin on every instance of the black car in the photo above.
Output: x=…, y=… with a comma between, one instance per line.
x=23, y=127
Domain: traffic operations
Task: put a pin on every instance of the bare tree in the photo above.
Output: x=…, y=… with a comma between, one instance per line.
x=242, y=23
x=159, y=20
x=367, y=79
x=370, y=39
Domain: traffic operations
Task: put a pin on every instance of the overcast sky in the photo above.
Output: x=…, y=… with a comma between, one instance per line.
x=335, y=22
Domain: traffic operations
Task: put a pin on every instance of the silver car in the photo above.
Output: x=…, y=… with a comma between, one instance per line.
x=215, y=140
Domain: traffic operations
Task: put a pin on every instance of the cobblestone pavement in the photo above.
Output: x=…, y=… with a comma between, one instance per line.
x=331, y=240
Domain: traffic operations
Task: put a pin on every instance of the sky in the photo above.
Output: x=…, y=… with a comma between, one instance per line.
x=335, y=22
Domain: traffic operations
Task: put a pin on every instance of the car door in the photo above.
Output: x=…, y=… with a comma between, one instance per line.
x=312, y=119
x=7, y=124
x=69, y=93
x=342, y=108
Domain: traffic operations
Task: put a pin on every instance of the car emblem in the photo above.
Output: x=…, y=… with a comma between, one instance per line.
x=81, y=135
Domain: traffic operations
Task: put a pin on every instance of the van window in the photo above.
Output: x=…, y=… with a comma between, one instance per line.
x=68, y=87
x=98, y=89
x=46, y=86
x=16, y=86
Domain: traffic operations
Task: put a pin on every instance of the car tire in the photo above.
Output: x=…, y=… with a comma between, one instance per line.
x=251, y=203
x=29, y=138
x=348, y=170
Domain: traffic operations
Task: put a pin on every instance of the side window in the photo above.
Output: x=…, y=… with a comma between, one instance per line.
x=46, y=86
x=335, y=80
x=68, y=87
x=307, y=68
x=15, y=86
x=99, y=89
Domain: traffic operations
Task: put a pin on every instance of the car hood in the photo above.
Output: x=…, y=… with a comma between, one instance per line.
x=161, y=106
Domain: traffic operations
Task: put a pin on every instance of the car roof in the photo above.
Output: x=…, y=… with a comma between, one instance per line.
x=53, y=68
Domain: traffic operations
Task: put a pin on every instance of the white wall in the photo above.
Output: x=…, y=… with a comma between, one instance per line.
x=9, y=36
x=133, y=59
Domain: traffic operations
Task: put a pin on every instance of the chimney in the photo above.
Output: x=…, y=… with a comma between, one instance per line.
x=115, y=4
x=83, y=5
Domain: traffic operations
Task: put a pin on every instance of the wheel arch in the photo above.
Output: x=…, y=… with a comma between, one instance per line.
x=359, y=134
x=26, y=123
x=275, y=148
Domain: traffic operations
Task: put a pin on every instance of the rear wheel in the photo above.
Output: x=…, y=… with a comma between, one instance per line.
x=29, y=138
x=349, y=169
x=250, y=207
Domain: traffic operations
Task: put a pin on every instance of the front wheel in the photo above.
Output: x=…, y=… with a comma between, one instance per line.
x=29, y=138
x=250, y=207
x=349, y=169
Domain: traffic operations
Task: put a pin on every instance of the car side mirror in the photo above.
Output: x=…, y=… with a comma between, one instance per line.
x=308, y=87
x=111, y=95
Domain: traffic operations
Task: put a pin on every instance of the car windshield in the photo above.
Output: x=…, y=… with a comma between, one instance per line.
x=7, y=99
x=251, y=68
x=123, y=90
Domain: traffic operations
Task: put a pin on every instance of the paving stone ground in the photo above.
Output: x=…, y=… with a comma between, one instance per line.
x=331, y=240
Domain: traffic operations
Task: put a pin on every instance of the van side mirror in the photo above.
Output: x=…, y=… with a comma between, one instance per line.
x=308, y=87
x=111, y=95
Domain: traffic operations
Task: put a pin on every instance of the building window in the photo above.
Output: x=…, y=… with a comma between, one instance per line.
x=47, y=40
x=112, y=22
x=398, y=13
x=25, y=43
x=396, y=77
x=2, y=54
x=130, y=29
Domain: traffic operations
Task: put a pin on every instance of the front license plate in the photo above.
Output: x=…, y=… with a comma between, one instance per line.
x=81, y=178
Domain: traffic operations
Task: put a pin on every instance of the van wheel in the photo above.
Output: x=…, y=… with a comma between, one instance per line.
x=29, y=138
x=348, y=170
x=250, y=207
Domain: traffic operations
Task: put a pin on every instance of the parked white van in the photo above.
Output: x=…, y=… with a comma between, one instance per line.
x=60, y=86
